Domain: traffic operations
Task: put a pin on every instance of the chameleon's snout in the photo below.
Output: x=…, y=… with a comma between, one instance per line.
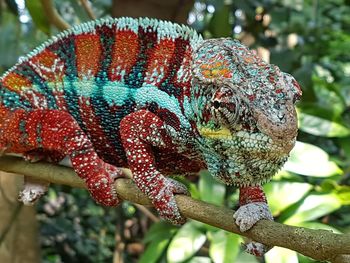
x=283, y=130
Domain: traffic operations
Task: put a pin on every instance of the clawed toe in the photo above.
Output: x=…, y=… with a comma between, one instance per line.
x=247, y=215
x=101, y=185
x=255, y=248
x=32, y=191
x=165, y=202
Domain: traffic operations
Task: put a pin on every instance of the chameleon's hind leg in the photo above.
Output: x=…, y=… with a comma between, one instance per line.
x=57, y=131
x=34, y=188
x=140, y=132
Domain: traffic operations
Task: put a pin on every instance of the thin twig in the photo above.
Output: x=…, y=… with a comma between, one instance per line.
x=317, y=244
x=148, y=213
x=53, y=16
x=88, y=9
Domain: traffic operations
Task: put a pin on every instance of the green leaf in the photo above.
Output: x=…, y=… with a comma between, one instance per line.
x=199, y=260
x=313, y=207
x=220, y=25
x=155, y=249
x=38, y=15
x=342, y=192
x=321, y=127
x=279, y=194
x=246, y=258
x=194, y=191
x=310, y=160
x=305, y=259
x=158, y=237
x=284, y=58
x=210, y=190
x=345, y=145
x=187, y=241
x=224, y=247
x=284, y=255
x=159, y=229
x=303, y=76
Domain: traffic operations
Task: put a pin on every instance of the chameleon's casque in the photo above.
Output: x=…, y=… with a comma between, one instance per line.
x=157, y=98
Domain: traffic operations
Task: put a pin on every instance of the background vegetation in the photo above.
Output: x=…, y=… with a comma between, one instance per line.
x=309, y=39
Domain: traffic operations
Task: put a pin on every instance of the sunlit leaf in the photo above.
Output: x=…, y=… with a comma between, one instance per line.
x=224, y=247
x=246, y=258
x=279, y=194
x=194, y=191
x=282, y=254
x=187, y=241
x=321, y=127
x=343, y=193
x=211, y=190
x=313, y=207
x=199, y=260
x=310, y=160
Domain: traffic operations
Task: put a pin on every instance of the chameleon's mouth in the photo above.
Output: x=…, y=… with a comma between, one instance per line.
x=249, y=141
x=243, y=158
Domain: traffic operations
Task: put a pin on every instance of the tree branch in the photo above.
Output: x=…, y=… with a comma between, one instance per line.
x=53, y=16
x=86, y=5
x=317, y=244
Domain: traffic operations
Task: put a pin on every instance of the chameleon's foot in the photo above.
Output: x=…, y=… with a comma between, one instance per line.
x=247, y=215
x=165, y=202
x=101, y=185
x=255, y=248
x=33, y=189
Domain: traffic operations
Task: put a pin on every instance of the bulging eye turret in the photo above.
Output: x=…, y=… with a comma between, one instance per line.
x=224, y=107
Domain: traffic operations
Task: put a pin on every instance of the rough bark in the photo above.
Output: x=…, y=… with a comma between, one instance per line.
x=317, y=244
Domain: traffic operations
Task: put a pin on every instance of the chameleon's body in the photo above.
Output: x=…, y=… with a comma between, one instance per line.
x=157, y=98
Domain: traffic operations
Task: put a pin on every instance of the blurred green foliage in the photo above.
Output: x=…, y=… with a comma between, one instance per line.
x=309, y=39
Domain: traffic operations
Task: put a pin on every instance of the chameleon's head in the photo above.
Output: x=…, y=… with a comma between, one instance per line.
x=245, y=112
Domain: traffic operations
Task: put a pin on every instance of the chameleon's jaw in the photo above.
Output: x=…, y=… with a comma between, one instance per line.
x=244, y=158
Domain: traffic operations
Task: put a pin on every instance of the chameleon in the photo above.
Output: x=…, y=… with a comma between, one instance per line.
x=154, y=97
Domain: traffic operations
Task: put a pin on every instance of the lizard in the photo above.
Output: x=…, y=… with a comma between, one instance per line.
x=155, y=97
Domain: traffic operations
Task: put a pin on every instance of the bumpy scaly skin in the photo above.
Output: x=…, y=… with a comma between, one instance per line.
x=157, y=98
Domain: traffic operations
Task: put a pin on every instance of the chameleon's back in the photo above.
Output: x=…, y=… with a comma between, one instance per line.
x=101, y=71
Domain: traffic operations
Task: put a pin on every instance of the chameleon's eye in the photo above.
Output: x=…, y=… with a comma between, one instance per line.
x=216, y=104
x=225, y=107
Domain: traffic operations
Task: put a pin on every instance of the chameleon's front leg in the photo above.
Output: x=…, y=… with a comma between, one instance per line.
x=253, y=207
x=140, y=131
